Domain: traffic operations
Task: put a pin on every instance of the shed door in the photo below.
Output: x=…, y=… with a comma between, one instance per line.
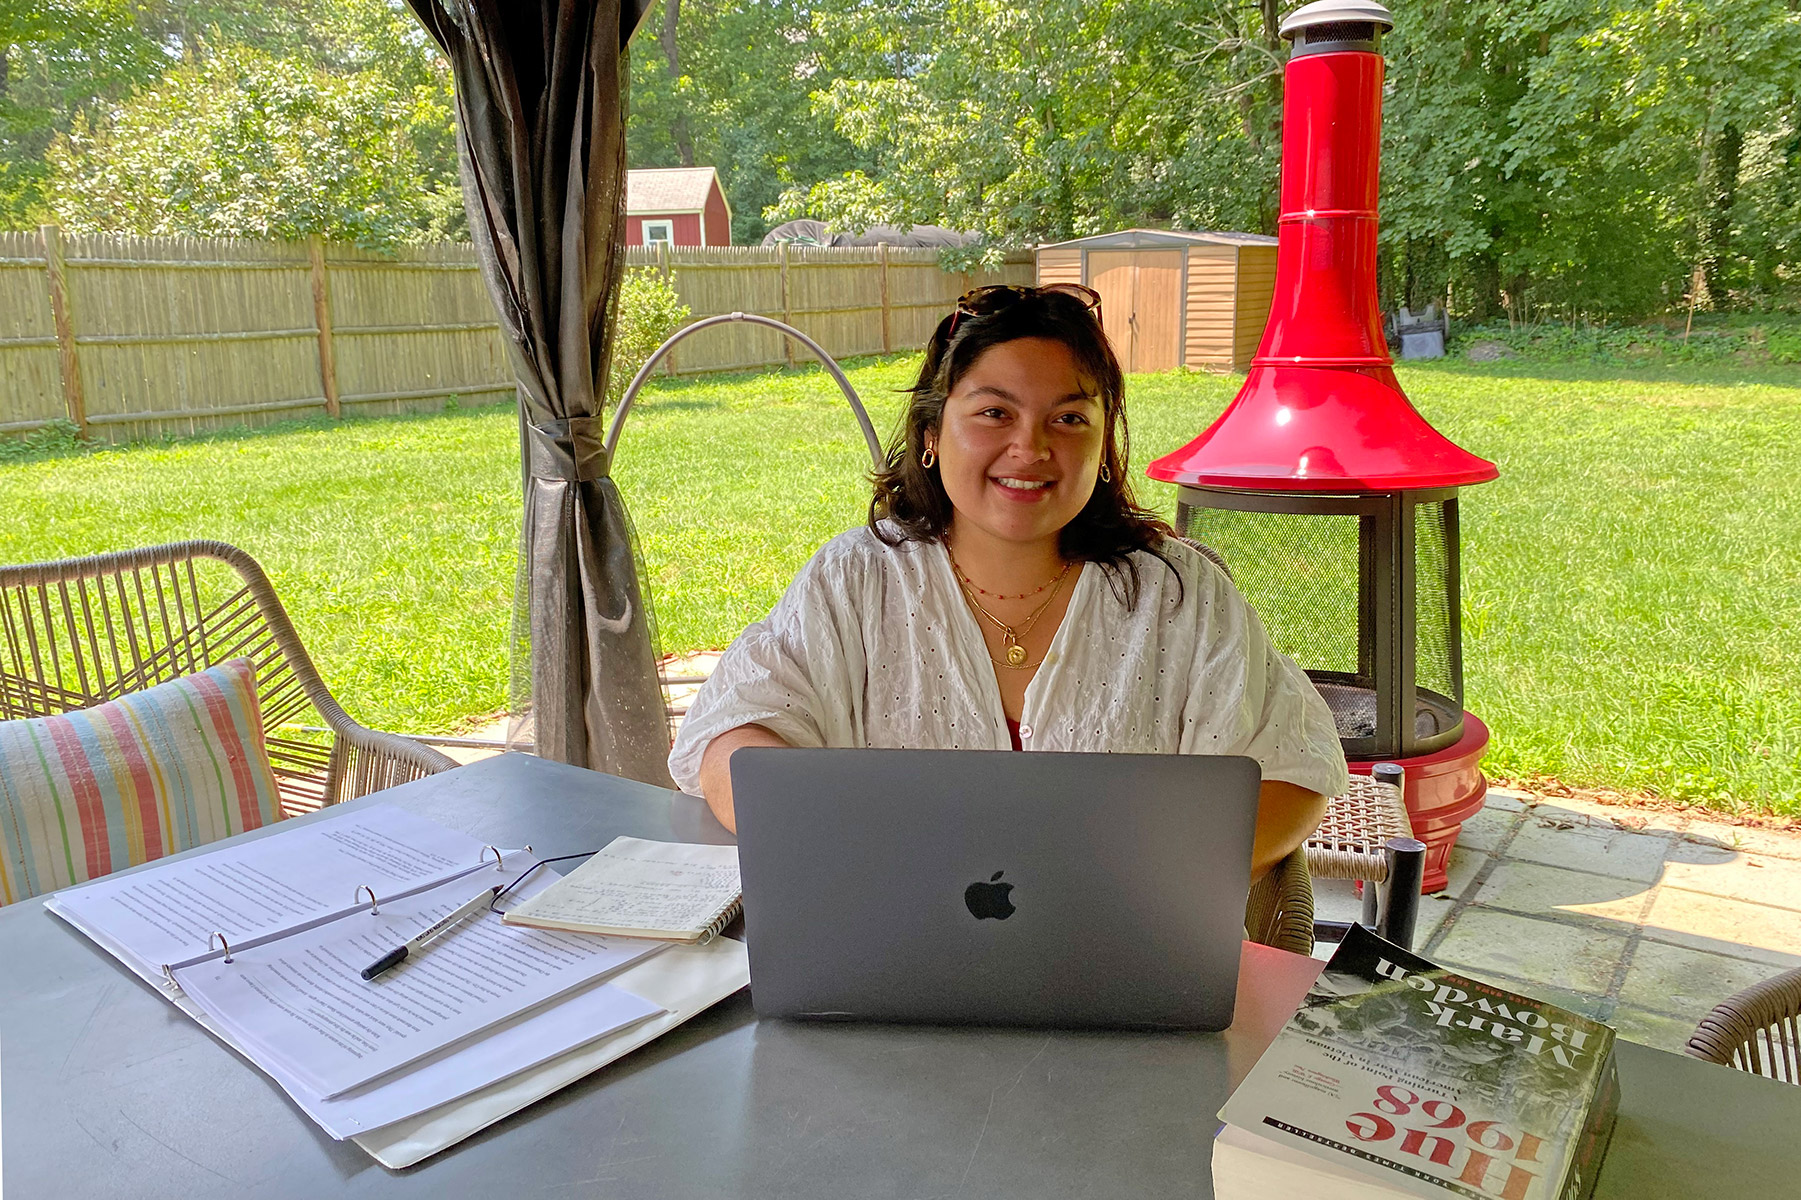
x=1110, y=273
x=1141, y=305
x=1157, y=311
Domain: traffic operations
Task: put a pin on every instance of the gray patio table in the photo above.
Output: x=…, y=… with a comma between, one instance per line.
x=106, y=1090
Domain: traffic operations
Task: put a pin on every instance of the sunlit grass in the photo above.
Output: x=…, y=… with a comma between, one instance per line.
x=390, y=542
x=1632, y=615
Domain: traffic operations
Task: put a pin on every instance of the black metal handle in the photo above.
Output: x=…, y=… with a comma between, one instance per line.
x=1401, y=894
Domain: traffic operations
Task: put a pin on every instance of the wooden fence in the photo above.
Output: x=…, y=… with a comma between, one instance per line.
x=852, y=300
x=133, y=337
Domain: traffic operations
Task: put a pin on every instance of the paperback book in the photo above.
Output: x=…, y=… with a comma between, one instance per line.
x=1400, y=1078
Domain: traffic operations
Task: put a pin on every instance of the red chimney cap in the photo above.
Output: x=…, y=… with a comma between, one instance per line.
x=1334, y=12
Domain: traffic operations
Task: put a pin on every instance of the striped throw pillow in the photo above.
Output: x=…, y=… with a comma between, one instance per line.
x=174, y=766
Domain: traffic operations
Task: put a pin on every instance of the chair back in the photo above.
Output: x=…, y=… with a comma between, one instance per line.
x=84, y=631
x=1279, y=910
x=1757, y=1030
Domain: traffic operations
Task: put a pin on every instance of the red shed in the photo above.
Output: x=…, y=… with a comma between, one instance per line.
x=683, y=206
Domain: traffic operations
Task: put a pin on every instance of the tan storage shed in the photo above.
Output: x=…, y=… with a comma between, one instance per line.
x=1173, y=299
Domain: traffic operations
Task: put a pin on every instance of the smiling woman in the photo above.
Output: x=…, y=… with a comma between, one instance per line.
x=1008, y=591
x=1018, y=458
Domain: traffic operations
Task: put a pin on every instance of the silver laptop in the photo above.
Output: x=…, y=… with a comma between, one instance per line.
x=995, y=887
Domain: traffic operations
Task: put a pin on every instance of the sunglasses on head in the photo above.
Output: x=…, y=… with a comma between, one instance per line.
x=995, y=297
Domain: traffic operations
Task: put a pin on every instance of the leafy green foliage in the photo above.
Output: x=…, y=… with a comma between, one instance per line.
x=648, y=312
x=727, y=86
x=245, y=144
x=1567, y=155
x=56, y=58
x=60, y=436
x=1540, y=156
x=248, y=118
x=1744, y=341
x=1024, y=123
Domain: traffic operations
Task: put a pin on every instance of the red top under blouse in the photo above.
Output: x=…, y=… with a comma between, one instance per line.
x=1013, y=732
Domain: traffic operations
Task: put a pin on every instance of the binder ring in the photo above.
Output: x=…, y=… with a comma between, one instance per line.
x=498, y=864
x=223, y=944
x=373, y=906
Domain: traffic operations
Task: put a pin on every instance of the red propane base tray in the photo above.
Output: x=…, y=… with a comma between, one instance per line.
x=1442, y=791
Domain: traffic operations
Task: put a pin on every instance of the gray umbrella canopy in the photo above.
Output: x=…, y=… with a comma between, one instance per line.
x=807, y=232
x=541, y=137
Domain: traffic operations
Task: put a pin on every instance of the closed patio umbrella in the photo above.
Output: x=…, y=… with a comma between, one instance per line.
x=541, y=138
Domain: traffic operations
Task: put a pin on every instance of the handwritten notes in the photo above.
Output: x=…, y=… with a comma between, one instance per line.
x=638, y=888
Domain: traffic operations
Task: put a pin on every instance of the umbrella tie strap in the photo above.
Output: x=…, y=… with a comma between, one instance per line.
x=569, y=449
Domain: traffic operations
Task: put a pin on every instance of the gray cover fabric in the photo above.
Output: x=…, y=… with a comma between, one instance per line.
x=807, y=232
x=541, y=138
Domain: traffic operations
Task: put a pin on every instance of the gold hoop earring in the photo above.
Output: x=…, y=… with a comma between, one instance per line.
x=928, y=458
x=1106, y=473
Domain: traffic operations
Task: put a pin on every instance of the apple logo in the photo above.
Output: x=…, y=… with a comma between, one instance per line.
x=989, y=899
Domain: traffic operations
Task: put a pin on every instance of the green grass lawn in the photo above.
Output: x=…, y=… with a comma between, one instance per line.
x=1632, y=582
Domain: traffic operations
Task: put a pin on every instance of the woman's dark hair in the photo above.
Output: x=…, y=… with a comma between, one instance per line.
x=1111, y=525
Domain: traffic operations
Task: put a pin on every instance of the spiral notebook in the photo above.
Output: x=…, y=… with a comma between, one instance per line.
x=673, y=891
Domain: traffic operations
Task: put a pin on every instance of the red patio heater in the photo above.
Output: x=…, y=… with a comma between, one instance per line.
x=1332, y=500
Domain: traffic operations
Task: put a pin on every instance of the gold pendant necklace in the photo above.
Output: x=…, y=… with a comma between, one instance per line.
x=1011, y=650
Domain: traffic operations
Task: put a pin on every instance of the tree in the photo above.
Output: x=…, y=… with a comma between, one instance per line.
x=1582, y=156
x=1538, y=155
x=58, y=57
x=1023, y=123
x=726, y=85
x=1559, y=153
x=69, y=65
x=243, y=144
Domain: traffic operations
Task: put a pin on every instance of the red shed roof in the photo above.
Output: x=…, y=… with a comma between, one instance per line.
x=654, y=190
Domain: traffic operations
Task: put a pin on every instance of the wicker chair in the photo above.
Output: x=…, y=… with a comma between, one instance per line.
x=1279, y=912
x=83, y=631
x=1758, y=1030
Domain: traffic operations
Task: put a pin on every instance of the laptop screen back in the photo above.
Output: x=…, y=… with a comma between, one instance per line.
x=993, y=887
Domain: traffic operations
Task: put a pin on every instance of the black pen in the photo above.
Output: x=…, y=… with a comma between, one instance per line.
x=394, y=958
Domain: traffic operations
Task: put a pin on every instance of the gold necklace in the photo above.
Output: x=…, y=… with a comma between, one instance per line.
x=1014, y=652
x=966, y=581
x=1021, y=667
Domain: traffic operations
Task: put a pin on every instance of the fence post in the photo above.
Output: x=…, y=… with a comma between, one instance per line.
x=781, y=255
x=663, y=270
x=328, y=363
x=74, y=400
x=887, y=339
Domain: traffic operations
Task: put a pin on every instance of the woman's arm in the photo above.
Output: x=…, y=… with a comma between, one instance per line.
x=1287, y=815
x=716, y=772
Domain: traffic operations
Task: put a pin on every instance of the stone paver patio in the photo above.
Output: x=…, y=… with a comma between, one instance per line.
x=1640, y=918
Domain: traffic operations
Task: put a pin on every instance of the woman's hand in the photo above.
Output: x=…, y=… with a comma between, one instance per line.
x=1287, y=815
x=716, y=772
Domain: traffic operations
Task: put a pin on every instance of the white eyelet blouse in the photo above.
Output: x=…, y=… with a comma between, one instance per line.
x=873, y=645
